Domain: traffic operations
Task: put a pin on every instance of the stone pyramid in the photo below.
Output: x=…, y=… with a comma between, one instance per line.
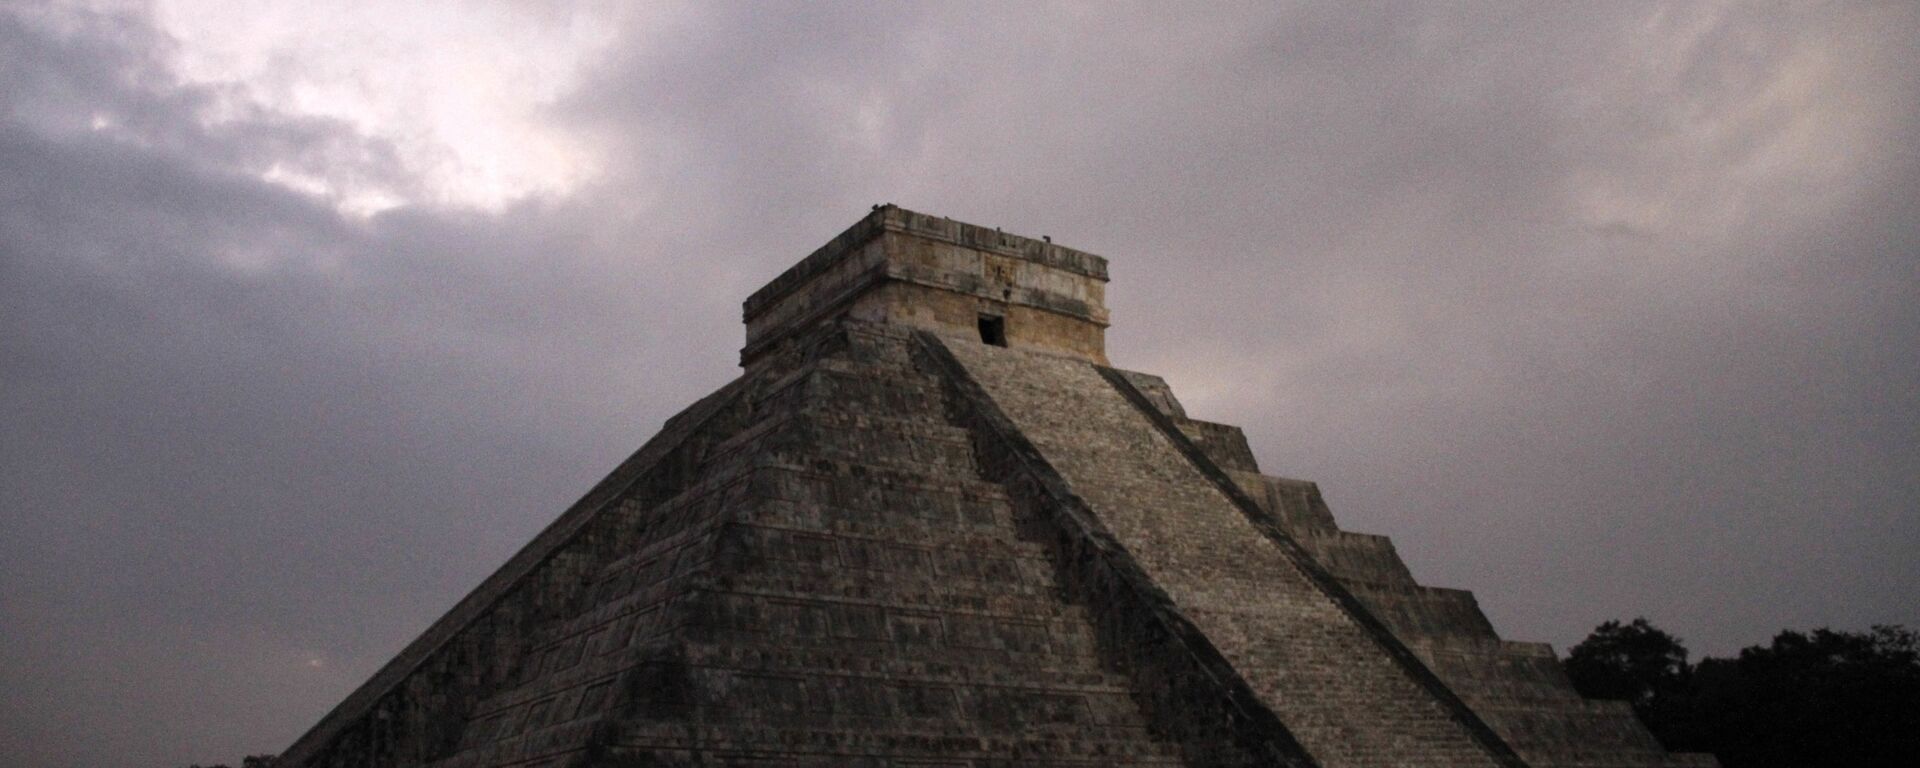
x=929, y=526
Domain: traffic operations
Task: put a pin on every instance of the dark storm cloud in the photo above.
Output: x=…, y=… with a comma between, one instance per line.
x=1598, y=312
x=244, y=434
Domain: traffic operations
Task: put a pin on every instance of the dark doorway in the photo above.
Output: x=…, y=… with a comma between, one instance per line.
x=993, y=330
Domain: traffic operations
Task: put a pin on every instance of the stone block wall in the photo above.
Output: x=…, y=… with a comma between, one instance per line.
x=914, y=270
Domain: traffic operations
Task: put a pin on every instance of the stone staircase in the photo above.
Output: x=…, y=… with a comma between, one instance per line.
x=1346, y=699
x=1519, y=689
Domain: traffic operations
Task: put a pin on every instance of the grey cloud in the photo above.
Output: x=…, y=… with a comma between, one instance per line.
x=244, y=433
x=1598, y=313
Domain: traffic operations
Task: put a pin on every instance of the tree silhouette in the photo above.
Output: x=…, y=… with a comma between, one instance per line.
x=250, y=761
x=1824, y=698
x=1814, y=699
x=1636, y=663
x=1631, y=662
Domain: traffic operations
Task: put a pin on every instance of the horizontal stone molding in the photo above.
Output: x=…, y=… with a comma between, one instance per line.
x=892, y=218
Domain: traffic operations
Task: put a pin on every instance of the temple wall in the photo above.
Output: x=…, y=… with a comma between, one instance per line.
x=914, y=270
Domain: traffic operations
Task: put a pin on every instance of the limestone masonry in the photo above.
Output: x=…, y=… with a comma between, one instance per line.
x=928, y=526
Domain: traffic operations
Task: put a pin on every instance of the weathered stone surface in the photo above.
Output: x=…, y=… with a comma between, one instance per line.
x=1347, y=700
x=909, y=269
x=892, y=544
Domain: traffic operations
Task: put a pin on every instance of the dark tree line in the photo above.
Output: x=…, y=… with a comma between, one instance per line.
x=250, y=761
x=1823, y=698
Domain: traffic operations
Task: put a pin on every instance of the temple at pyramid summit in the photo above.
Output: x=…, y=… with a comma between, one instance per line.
x=930, y=526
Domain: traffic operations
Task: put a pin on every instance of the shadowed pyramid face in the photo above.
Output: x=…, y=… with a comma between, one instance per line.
x=905, y=268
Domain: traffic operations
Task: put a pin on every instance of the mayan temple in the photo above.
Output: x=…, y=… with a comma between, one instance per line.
x=929, y=526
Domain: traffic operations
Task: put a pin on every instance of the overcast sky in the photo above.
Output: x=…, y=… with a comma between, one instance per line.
x=310, y=317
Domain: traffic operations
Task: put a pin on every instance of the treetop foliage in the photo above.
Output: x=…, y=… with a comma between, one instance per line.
x=1807, y=699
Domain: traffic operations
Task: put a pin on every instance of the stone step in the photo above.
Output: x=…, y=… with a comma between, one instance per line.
x=992, y=529
x=1495, y=671
x=1421, y=614
x=832, y=385
x=968, y=556
x=810, y=619
x=914, y=664
x=1028, y=604
x=1574, y=731
x=1357, y=557
x=704, y=758
x=998, y=581
x=888, y=492
x=923, y=444
x=1036, y=743
x=919, y=426
x=761, y=745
